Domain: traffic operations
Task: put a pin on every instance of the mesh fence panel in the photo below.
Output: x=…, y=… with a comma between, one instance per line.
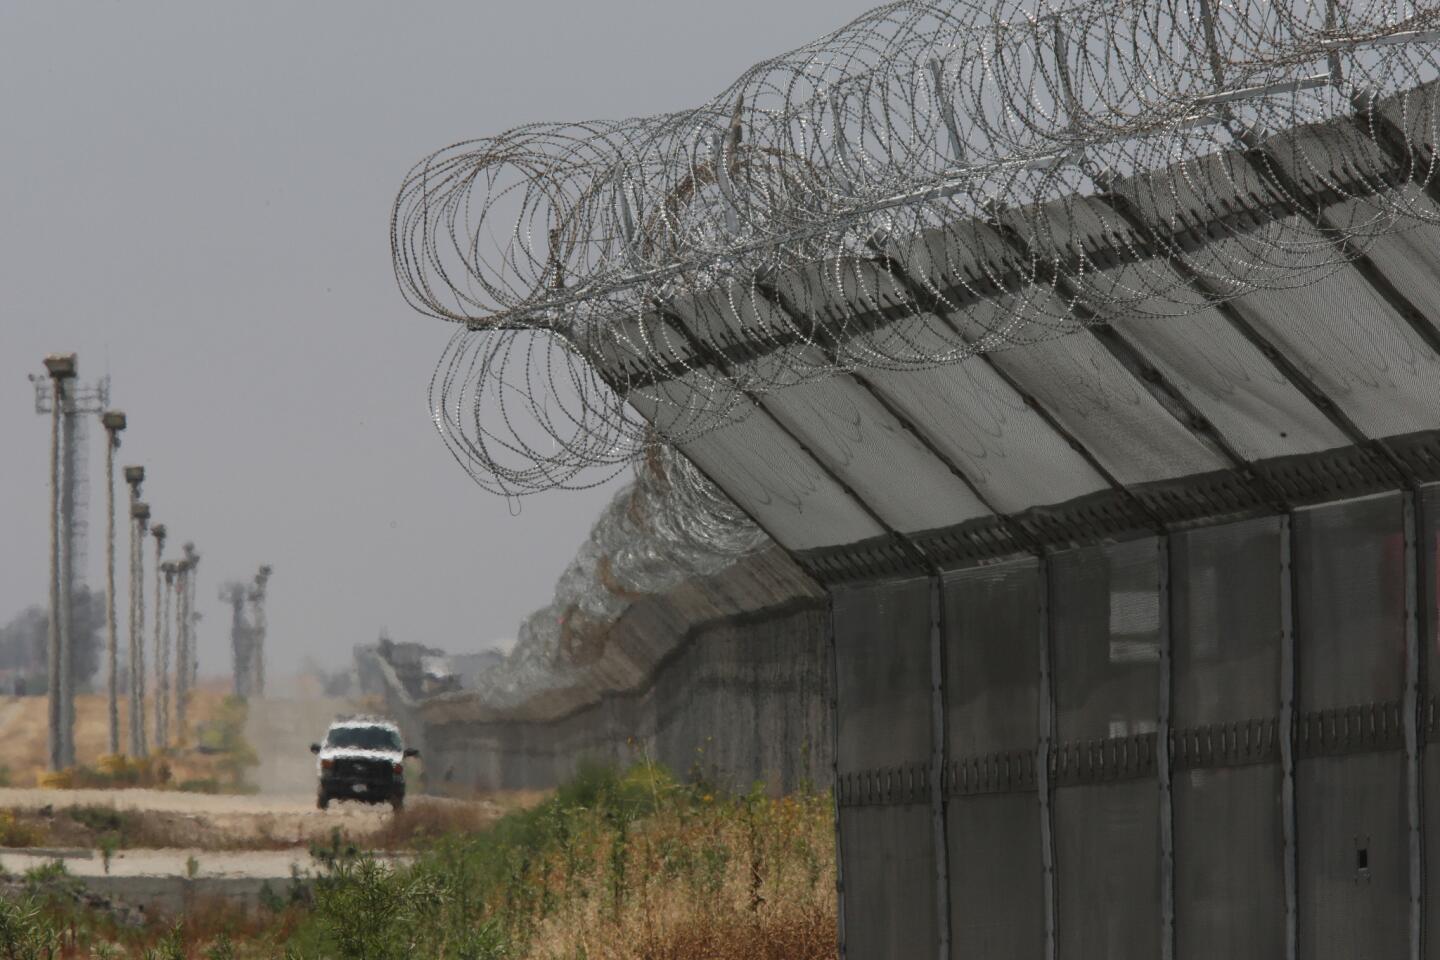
x=992, y=686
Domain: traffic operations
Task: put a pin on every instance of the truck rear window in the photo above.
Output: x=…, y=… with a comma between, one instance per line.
x=363, y=738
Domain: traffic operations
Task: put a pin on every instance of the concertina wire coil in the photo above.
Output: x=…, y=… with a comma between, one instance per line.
x=550, y=244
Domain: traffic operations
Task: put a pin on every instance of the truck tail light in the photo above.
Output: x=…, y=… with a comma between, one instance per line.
x=399, y=769
x=327, y=764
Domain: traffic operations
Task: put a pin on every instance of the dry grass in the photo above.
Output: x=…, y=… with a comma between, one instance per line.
x=24, y=736
x=750, y=878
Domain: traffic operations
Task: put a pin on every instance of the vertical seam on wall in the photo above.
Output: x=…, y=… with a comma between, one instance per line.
x=1043, y=753
x=937, y=766
x=1162, y=755
x=1287, y=732
x=833, y=707
x=1411, y=712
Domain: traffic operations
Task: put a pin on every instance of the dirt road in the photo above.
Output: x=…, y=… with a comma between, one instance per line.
x=281, y=731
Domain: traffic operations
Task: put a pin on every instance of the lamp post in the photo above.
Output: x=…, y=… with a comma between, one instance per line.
x=61, y=367
x=158, y=532
x=173, y=580
x=114, y=423
x=134, y=476
x=185, y=642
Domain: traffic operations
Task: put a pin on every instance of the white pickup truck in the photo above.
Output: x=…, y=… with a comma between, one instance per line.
x=362, y=758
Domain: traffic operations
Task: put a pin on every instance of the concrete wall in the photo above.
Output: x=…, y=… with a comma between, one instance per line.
x=724, y=678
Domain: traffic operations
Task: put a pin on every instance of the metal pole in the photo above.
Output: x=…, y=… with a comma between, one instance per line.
x=185, y=669
x=60, y=368
x=68, y=479
x=182, y=612
x=134, y=476
x=141, y=512
x=114, y=422
x=158, y=532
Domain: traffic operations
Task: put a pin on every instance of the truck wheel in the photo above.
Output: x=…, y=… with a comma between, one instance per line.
x=322, y=802
x=397, y=803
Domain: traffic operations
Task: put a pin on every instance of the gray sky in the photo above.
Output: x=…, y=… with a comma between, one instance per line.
x=195, y=197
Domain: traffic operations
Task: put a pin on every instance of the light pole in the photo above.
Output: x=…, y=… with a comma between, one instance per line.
x=184, y=641
x=61, y=367
x=114, y=422
x=170, y=568
x=134, y=476
x=158, y=532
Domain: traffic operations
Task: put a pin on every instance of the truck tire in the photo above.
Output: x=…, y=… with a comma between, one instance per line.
x=397, y=802
x=322, y=802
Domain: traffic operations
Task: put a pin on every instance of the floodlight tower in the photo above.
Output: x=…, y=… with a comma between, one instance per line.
x=63, y=396
x=185, y=662
x=257, y=630
x=162, y=656
x=61, y=367
x=158, y=532
x=234, y=593
x=114, y=423
x=139, y=518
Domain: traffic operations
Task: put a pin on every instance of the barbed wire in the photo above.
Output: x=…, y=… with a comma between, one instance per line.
x=596, y=267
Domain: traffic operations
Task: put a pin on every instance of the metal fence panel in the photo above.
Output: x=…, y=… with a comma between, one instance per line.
x=1105, y=615
x=889, y=882
x=1229, y=877
x=1432, y=851
x=1350, y=603
x=1229, y=839
x=883, y=717
x=1351, y=818
x=992, y=673
x=1353, y=857
x=882, y=668
x=996, y=906
x=1225, y=587
x=1107, y=862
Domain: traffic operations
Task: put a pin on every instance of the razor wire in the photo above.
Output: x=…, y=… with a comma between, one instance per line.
x=667, y=526
x=569, y=254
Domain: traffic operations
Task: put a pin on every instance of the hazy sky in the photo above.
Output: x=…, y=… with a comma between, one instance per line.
x=195, y=198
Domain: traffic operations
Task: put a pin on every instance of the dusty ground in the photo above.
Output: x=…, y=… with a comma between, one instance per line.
x=281, y=731
x=170, y=819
